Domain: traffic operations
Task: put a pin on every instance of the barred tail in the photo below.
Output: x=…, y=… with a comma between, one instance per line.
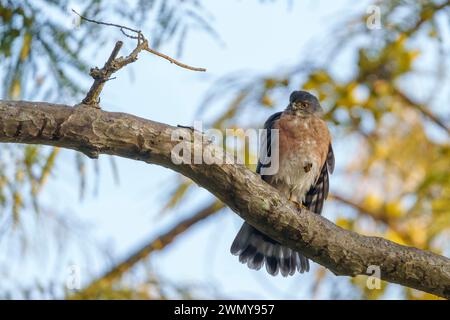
x=255, y=249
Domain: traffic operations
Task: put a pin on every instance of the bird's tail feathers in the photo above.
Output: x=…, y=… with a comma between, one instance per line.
x=256, y=249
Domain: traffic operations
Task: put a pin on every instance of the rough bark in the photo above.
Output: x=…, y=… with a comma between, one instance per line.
x=93, y=132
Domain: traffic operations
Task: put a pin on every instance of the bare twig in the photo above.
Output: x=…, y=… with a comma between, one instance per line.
x=140, y=37
x=107, y=23
x=172, y=60
x=129, y=35
x=112, y=65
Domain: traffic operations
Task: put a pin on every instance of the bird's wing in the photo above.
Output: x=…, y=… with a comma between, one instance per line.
x=317, y=194
x=266, y=142
x=330, y=160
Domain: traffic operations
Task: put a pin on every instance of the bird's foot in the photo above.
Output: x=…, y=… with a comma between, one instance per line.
x=300, y=206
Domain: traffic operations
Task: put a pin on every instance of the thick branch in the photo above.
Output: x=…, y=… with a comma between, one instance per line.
x=93, y=131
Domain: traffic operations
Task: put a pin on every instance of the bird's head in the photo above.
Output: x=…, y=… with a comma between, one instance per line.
x=304, y=103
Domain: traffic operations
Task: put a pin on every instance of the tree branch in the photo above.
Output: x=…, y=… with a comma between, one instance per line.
x=93, y=132
x=101, y=76
x=112, y=65
x=142, y=43
x=426, y=17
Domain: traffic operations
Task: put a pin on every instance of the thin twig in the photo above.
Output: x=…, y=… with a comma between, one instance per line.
x=140, y=37
x=172, y=60
x=107, y=23
x=128, y=35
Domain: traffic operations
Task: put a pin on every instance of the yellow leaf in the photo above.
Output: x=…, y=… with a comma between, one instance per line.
x=267, y=101
x=394, y=209
x=344, y=223
x=372, y=202
x=14, y=90
x=394, y=236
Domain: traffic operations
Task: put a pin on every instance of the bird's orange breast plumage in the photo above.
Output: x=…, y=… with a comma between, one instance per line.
x=303, y=134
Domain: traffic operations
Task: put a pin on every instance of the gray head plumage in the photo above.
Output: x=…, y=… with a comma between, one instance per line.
x=304, y=102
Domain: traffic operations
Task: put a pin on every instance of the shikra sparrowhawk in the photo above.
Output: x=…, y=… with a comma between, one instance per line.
x=305, y=159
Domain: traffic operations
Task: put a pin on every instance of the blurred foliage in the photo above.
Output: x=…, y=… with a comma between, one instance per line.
x=398, y=178
x=32, y=168
x=43, y=46
x=42, y=49
x=150, y=287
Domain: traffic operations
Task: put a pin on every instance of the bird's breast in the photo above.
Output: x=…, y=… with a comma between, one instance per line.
x=303, y=147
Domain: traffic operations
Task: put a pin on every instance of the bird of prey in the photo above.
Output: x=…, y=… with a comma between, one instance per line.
x=305, y=160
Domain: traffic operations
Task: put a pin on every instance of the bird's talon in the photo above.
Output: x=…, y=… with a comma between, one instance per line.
x=300, y=206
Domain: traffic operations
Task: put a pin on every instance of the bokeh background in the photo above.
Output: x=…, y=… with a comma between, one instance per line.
x=72, y=227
